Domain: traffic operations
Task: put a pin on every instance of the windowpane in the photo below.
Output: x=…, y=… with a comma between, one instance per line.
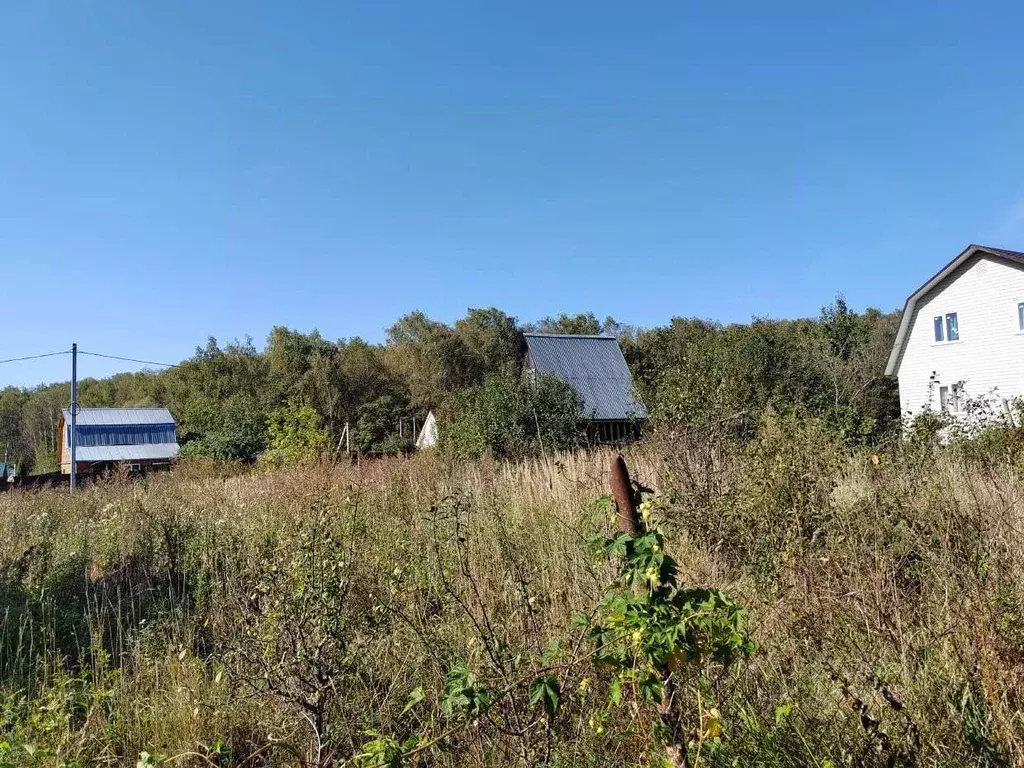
x=952, y=328
x=955, y=400
x=944, y=399
x=938, y=329
x=1020, y=315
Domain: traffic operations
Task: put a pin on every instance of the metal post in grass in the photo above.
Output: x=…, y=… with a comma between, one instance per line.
x=625, y=504
x=72, y=433
x=629, y=521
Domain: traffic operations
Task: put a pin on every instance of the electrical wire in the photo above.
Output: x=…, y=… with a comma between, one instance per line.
x=36, y=357
x=127, y=359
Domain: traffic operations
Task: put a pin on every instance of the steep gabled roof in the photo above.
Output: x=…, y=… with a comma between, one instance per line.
x=594, y=367
x=908, y=308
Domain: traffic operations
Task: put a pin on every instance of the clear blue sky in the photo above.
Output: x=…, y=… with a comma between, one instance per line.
x=174, y=170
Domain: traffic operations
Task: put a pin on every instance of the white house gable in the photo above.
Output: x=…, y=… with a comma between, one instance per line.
x=964, y=338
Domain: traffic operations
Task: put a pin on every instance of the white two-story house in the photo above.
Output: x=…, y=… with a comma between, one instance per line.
x=961, y=336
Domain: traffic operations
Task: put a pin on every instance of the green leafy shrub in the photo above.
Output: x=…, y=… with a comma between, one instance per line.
x=296, y=433
x=509, y=417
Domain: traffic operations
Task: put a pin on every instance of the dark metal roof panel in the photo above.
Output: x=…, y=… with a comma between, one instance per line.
x=594, y=367
x=1011, y=255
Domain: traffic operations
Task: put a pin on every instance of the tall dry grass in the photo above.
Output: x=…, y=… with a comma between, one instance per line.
x=175, y=616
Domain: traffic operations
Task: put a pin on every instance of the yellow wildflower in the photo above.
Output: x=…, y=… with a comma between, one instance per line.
x=711, y=725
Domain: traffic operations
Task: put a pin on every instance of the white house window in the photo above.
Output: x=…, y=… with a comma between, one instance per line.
x=952, y=327
x=1020, y=316
x=947, y=328
x=951, y=398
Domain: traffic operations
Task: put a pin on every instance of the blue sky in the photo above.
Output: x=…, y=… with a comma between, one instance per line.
x=170, y=171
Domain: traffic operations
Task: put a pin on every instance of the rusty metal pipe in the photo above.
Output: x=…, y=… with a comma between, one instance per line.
x=628, y=520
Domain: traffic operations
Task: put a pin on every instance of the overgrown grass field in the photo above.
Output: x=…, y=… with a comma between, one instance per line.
x=421, y=612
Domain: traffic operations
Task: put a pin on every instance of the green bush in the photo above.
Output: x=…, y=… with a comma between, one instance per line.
x=511, y=416
x=296, y=433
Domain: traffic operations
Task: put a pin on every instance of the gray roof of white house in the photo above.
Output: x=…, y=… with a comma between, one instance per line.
x=102, y=417
x=594, y=367
x=967, y=253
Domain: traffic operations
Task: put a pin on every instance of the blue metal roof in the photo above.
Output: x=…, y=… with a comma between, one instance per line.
x=119, y=416
x=594, y=367
x=122, y=434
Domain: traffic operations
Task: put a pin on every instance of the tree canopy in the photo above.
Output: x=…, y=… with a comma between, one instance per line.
x=236, y=401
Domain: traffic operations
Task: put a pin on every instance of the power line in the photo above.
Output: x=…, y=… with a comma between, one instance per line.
x=35, y=357
x=126, y=359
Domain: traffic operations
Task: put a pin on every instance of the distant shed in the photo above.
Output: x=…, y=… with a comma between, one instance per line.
x=597, y=371
x=107, y=437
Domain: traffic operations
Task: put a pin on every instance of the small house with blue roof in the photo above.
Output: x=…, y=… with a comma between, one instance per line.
x=111, y=437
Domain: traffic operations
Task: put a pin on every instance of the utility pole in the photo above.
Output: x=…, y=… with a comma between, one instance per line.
x=73, y=438
x=346, y=438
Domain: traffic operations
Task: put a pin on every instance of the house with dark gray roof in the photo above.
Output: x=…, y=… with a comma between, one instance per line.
x=961, y=335
x=597, y=371
x=109, y=437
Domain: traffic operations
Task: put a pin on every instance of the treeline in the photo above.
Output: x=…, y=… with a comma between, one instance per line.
x=238, y=402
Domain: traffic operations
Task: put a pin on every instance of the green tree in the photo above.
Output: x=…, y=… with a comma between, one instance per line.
x=509, y=416
x=557, y=414
x=14, y=445
x=221, y=398
x=490, y=418
x=377, y=425
x=363, y=376
x=493, y=342
x=296, y=433
x=41, y=414
x=289, y=357
x=701, y=374
x=123, y=390
x=584, y=323
x=428, y=357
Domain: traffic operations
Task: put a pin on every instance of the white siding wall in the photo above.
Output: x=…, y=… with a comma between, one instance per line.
x=984, y=293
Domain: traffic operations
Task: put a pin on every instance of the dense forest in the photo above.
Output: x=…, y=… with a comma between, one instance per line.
x=237, y=402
